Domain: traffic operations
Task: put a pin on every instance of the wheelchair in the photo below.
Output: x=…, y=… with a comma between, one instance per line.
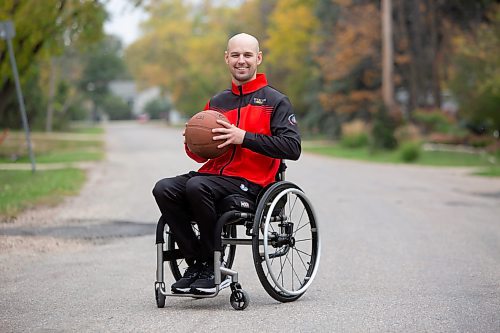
x=282, y=229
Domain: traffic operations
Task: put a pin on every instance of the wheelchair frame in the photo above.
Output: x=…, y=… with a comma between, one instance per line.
x=271, y=207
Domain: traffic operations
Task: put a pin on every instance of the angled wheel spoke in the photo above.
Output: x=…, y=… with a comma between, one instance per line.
x=302, y=240
x=300, y=221
x=294, y=272
x=300, y=257
x=305, y=225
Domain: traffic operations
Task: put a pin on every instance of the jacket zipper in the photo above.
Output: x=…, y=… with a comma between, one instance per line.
x=240, y=88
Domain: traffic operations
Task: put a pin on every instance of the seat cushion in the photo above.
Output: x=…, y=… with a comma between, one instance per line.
x=236, y=202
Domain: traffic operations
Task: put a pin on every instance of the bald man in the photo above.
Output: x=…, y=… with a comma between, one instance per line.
x=261, y=131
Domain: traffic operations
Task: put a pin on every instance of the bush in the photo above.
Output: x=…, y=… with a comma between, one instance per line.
x=410, y=151
x=433, y=120
x=158, y=108
x=116, y=108
x=358, y=140
x=383, y=130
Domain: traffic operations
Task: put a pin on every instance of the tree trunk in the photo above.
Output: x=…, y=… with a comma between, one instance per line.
x=436, y=87
x=52, y=85
x=387, y=55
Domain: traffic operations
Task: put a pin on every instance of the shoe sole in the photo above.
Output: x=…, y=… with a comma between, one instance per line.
x=181, y=290
x=223, y=285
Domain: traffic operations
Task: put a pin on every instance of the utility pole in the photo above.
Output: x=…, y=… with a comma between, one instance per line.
x=7, y=32
x=387, y=55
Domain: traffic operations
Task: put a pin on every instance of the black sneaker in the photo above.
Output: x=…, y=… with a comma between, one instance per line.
x=183, y=285
x=205, y=284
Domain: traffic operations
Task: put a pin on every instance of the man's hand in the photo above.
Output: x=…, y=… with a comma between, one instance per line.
x=230, y=133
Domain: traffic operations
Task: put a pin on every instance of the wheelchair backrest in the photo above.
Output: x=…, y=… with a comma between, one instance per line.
x=280, y=175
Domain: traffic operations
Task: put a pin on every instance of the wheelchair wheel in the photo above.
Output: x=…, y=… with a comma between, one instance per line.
x=177, y=267
x=285, y=243
x=160, y=298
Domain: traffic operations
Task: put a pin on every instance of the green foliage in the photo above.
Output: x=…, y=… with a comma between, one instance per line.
x=102, y=65
x=115, y=107
x=43, y=30
x=33, y=98
x=290, y=37
x=357, y=140
x=158, y=108
x=383, y=130
x=476, y=81
x=432, y=120
x=410, y=151
x=182, y=51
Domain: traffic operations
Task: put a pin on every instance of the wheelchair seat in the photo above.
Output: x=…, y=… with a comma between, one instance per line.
x=236, y=202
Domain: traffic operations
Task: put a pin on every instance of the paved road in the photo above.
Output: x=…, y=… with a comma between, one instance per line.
x=405, y=249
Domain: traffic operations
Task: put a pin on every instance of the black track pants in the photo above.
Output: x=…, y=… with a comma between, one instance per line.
x=193, y=197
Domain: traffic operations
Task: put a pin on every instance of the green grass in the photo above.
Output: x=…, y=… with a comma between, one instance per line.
x=54, y=147
x=60, y=157
x=23, y=189
x=88, y=129
x=491, y=171
x=430, y=158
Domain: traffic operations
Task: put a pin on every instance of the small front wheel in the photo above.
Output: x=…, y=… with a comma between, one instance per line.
x=239, y=299
x=160, y=298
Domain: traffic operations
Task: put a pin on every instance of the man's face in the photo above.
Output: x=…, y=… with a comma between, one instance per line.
x=242, y=57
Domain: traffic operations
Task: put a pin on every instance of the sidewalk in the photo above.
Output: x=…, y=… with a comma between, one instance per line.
x=47, y=166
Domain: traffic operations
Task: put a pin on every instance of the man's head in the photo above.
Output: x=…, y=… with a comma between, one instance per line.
x=242, y=57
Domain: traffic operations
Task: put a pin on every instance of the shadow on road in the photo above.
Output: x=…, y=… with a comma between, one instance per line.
x=87, y=229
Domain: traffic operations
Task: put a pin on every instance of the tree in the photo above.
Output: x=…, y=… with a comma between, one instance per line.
x=290, y=37
x=102, y=65
x=424, y=30
x=52, y=26
x=182, y=51
x=349, y=59
x=475, y=77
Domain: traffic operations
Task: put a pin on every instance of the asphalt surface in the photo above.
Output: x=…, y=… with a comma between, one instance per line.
x=404, y=249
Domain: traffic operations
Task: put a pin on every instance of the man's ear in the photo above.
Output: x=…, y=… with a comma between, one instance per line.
x=226, y=57
x=259, y=58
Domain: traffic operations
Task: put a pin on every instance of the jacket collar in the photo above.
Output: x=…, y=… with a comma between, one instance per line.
x=259, y=82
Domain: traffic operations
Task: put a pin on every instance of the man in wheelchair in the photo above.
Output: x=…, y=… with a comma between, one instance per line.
x=261, y=131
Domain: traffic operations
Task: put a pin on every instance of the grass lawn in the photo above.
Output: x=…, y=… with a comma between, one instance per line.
x=21, y=189
x=83, y=145
x=431, y=158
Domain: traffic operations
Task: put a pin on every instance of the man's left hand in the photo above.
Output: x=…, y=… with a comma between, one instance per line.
x=230, y=133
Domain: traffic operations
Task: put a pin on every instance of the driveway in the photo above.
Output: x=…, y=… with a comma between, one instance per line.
x=404, y=249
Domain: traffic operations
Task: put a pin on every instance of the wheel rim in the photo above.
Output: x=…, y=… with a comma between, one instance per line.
x=292, y=260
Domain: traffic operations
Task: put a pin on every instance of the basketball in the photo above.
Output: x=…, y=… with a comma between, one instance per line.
x=199, y=136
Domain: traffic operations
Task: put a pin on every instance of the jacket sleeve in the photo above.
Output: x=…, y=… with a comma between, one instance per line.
x=284, y=141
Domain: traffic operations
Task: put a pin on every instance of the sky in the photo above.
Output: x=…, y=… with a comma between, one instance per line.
x=124, y=20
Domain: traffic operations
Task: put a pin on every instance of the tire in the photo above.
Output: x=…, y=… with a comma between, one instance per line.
x=239, y=299
x=160, y=298
x=285, y=245
x=177, y=267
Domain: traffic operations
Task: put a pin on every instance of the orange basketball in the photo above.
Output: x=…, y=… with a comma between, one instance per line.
x=199, y=136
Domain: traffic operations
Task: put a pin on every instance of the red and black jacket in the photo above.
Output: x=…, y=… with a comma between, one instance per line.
x=271, y=132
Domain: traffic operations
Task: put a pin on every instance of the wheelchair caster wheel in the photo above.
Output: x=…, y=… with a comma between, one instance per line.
x=239, y=299
x=160, y=298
